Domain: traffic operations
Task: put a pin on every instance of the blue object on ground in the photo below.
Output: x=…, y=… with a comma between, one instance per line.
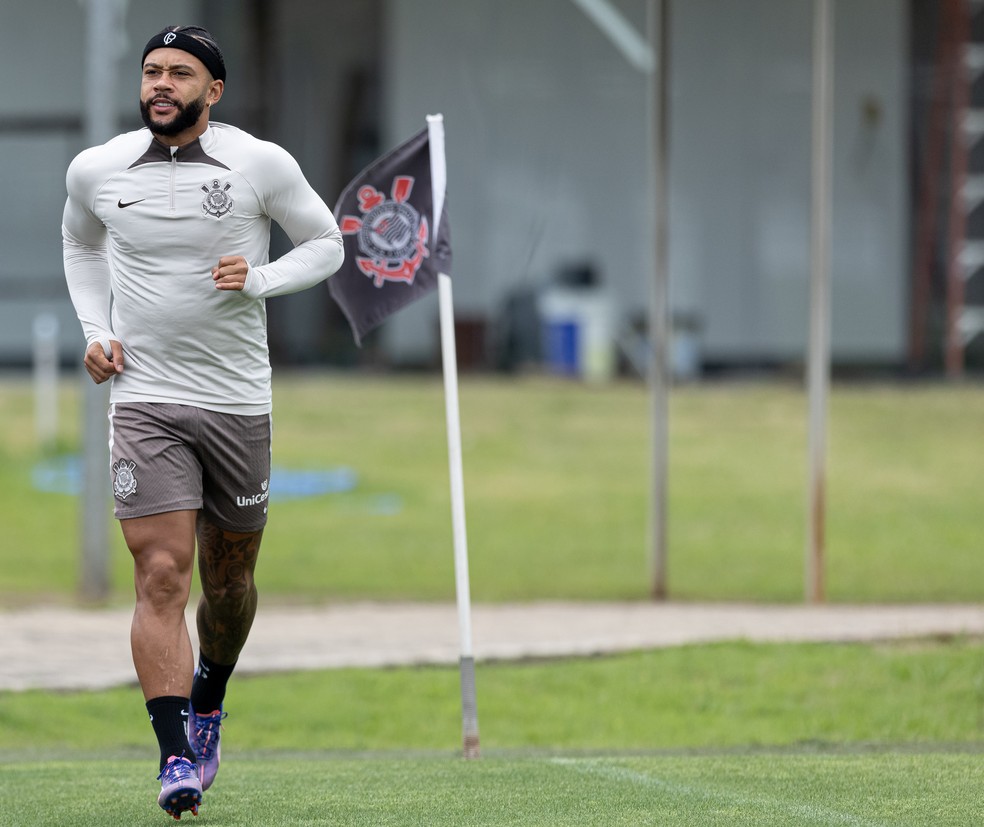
x=63, y=475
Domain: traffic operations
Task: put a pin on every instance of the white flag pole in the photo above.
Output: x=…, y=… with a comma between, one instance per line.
x=469, y=707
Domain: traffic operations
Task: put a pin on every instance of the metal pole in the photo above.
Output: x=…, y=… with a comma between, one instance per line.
x=953, y=352
x=659, y=307
x=45, y=337
x=819, y=355
x=606, y=16
x=103, y=29
x=945, y=70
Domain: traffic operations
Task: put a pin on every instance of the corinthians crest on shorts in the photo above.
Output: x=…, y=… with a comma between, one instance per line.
x=392, y=255
x=124, y=480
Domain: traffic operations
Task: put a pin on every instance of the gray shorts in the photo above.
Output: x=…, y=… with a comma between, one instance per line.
x=174, y=457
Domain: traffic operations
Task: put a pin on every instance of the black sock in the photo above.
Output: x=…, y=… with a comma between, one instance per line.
x=169, y=717
x=209, y=688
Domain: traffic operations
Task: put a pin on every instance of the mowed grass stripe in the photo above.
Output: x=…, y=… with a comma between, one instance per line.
x=869, y=790
x=716, y=797
x=694, y=697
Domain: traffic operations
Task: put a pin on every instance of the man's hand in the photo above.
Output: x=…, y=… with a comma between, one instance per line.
x=102, y=366
x=230, y=273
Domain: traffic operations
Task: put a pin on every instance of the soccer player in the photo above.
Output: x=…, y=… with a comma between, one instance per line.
x=166, y=235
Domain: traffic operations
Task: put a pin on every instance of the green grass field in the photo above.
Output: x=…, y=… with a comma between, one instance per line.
x=557, y=481
x=864, y=790
x=557, y=487
x=701, y=735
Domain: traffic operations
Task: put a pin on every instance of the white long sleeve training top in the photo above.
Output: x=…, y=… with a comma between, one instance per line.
x=144, y=225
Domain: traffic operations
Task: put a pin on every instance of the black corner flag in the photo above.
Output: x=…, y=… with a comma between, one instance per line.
x=392, y=254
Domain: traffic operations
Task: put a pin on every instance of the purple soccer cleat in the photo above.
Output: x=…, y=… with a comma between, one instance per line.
x=203, y=735
x=181, y=787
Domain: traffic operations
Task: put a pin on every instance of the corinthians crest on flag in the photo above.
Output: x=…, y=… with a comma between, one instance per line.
x=392, y=252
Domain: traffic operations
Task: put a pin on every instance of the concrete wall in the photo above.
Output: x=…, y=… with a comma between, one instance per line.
x=307, y=77
x=548, y=152
x=741, y=176
x=41, y=114
x=547, y=145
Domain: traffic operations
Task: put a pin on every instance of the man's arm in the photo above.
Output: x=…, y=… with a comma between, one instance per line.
x=87, y=274
x=306, y=219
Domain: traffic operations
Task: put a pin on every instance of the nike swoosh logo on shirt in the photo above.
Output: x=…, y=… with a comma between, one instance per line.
x=123, y=205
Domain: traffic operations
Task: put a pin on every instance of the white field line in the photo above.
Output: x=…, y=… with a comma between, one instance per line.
x=801, y=813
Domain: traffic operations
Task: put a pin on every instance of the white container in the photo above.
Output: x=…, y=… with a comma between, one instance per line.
x=578, y=332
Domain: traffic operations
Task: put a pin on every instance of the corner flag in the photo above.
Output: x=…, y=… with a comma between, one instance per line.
x=392, y=258
x=392, y=252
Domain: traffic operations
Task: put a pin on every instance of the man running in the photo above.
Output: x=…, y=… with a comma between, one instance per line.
x=166, y=236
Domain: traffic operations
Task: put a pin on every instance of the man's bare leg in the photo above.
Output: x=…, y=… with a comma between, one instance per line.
x=226, y=562
x=163, y=549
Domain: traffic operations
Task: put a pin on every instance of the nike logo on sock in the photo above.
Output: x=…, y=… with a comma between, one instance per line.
x=184, y=713
x=124, y=204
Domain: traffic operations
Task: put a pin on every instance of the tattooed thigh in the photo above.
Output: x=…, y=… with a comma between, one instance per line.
x=226, y=560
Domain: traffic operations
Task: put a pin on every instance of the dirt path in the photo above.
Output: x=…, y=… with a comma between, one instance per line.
x=60, y=648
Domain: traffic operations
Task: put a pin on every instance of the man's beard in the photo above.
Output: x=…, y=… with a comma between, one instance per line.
x=188, y=115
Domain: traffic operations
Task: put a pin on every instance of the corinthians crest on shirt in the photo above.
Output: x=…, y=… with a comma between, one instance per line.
x=217, y=201
x=391, y=235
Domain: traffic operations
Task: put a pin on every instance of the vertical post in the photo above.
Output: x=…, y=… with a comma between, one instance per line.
x=449, y=359
x=946, y=66
x=954, y=344
x=819, y=355
x=103, y=29
x=659, y=306
x=469, y=705
x=45, y=336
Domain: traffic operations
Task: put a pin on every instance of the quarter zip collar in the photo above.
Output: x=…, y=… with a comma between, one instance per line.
x=192, y=152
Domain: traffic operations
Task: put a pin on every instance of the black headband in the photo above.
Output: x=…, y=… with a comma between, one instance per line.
x=207, y=54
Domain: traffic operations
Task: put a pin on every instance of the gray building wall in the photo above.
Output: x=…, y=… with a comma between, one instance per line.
x=548, y=151
x=41, y=130
x=741, y=176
